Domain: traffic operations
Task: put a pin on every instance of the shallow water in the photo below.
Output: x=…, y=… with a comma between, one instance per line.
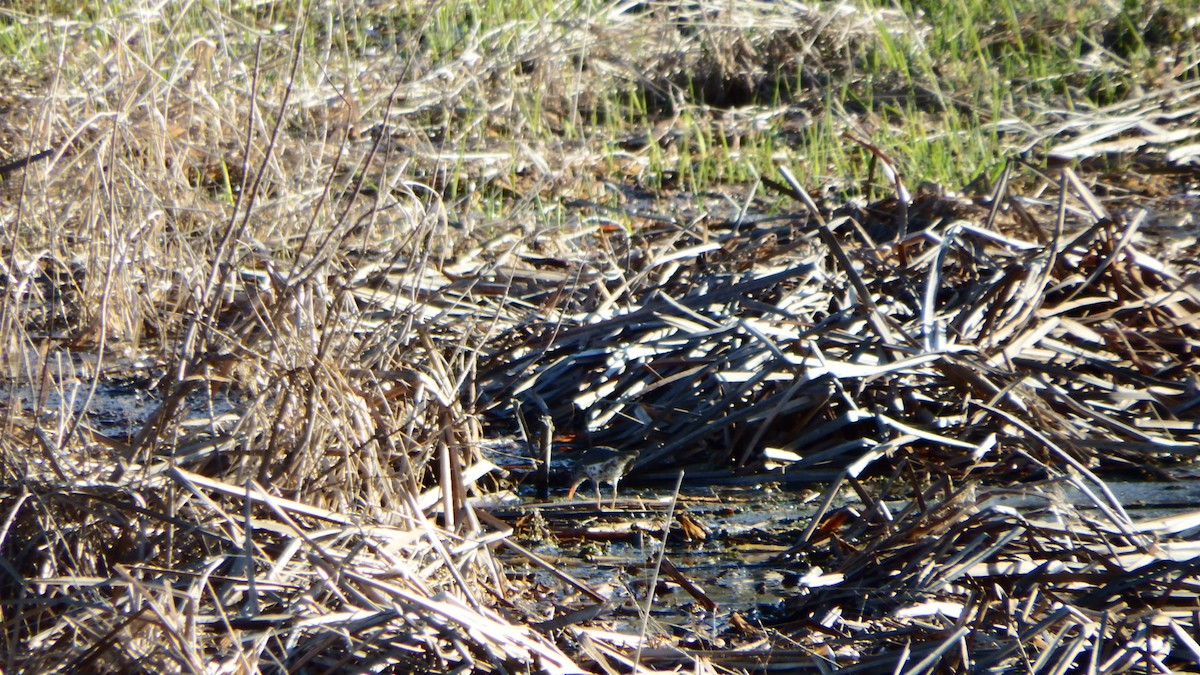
x=738, y=563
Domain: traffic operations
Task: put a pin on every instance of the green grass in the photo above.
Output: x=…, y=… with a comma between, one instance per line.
x=929, y=83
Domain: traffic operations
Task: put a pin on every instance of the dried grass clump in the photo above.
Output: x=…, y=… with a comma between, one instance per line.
x=252, y=302
x=234, y=430
x=716, y=54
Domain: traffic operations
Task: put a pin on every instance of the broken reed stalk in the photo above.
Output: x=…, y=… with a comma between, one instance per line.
x=658, y=561
x=835, y=247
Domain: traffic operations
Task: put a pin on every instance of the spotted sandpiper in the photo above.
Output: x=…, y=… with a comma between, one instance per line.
x=601, y=464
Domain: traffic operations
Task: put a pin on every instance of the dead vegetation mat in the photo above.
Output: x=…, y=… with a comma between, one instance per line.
x=967, y=352
x=317, y=369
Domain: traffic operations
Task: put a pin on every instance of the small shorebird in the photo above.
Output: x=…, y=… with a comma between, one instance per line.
x=601, y=464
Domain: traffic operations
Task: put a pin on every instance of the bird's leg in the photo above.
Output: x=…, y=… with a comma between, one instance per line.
x=597, y=484
x=614, y=501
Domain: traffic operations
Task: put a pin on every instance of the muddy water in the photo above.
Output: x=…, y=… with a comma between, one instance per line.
x=113, y=399
x=738, y=536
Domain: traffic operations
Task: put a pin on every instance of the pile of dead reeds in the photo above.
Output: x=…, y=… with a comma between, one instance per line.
x=977, y=361
x=978, y=334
